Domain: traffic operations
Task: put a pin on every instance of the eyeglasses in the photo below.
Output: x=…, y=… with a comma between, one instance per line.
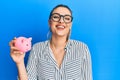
x=56, y=17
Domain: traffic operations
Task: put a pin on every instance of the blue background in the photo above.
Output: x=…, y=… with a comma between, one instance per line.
x=96, y=22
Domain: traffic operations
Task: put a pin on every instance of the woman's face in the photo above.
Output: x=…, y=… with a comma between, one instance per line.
x=60, y=22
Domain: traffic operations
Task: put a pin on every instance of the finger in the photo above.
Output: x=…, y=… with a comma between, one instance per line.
x=11, y=43
x=14, y=48
x=14, y=38
x=16, y=52
x=22, y=53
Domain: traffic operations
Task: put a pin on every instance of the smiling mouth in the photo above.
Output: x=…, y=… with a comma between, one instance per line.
x=60, y=27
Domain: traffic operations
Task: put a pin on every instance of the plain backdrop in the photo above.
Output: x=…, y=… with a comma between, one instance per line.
x=96, y=23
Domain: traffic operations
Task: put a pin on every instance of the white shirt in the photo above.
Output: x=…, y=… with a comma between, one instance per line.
x=76, y=64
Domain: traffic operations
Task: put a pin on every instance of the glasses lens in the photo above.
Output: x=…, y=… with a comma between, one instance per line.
x=67, y=18
x=55, y=17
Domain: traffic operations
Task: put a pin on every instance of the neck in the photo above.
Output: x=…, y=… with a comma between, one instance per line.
x=58, y=42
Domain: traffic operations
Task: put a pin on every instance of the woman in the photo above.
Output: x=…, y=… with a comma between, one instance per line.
x=58, y=58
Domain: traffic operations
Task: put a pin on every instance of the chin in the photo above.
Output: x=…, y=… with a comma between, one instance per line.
x=61, y=35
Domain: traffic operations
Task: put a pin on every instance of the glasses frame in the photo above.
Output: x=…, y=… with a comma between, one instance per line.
x=60, y=17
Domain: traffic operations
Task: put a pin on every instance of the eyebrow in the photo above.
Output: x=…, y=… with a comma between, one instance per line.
x=64, y=15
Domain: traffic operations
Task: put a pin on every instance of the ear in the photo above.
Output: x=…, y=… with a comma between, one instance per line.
x=70, y=28
x=70, y=25
x=30, y=38
x=49, y=22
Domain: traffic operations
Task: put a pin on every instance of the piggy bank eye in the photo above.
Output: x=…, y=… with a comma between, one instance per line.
x=22, y=41
x=26, y=44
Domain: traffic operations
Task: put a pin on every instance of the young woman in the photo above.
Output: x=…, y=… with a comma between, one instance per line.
x=59, y=58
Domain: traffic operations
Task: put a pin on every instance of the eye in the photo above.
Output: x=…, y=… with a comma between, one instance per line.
x=22, y=41
x=67, y=18
x=55, y=17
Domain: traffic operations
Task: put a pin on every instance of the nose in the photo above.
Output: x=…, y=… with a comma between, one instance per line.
x=61, y=19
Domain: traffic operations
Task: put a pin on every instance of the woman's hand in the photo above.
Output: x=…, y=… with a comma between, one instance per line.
x=17, y=56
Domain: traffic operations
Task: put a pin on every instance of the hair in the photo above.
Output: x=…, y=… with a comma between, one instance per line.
x=60, y=5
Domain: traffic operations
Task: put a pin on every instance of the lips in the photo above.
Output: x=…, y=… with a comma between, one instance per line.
x=60, y=27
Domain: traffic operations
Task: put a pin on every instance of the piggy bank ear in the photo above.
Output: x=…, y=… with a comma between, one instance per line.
x=30, y=38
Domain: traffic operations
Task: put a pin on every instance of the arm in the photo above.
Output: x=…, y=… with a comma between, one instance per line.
x=18, y=58
x=87, y=65
x=22, y=71
x=30, y=72
x=32, y=64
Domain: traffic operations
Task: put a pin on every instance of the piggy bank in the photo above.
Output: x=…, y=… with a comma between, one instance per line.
x=23, y=44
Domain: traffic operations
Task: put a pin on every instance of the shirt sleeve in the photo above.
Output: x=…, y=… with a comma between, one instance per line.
x=87, y=65
x=32, y=65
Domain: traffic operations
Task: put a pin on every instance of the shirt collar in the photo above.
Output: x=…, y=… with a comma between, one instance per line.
x=68, y=45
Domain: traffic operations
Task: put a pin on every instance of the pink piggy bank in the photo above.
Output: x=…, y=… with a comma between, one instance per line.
x=23, y=44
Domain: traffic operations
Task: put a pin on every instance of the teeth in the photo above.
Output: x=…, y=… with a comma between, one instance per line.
x=60, y=26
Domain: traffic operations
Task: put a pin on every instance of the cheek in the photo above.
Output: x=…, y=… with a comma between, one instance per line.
x=68, y=26
x=52, y=24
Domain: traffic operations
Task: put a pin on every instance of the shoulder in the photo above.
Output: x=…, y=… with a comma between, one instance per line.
x=78, y=43
x=81, y=48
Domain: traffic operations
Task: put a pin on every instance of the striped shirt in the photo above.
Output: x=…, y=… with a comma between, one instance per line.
x=76, y=64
